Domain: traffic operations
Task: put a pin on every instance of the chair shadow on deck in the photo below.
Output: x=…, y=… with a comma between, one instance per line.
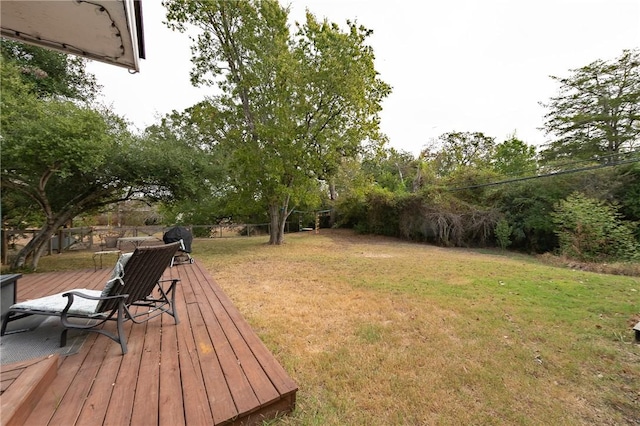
x=41, y=340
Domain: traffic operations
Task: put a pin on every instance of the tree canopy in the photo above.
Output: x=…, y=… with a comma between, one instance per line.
x=514, y=157
x=293, y=124
x=50, y=73
x=597, y=110
x=455, y=150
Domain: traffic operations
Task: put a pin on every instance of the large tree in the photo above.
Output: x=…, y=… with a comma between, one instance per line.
x=597, y=110
x=63, y=158
x=290, y=105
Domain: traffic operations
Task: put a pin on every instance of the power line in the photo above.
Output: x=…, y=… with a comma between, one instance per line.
x=558, y=173
x=595, y=158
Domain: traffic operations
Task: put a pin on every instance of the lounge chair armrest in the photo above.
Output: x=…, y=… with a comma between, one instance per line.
x=71, y=294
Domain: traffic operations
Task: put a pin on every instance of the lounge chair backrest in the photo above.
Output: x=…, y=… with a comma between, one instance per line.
x=142, y=272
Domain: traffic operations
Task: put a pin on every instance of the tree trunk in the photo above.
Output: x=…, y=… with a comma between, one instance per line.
x=278, y=215
x=283, y=224
x=38, y=243
x=274, y=230
x=333, y=196
x=33, y=249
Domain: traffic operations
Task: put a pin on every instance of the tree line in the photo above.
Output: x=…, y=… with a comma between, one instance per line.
x=292, y=123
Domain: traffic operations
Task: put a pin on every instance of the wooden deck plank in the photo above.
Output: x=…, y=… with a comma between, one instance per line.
x=107, y=365
x=145, y=406
x=209, y=369
x=71, y=405
x=238, y=363
x=206, y=337
x=97, y=402
x=220, y=401
x=4, y=385
x=262, y=386
x=196, y=404
x=50, y=401
x=171, y=412
x=238, y=333
x=274, y=371
x=10, y=375
x=188, y=291
x=272, y=368
x=240, y=394
x=121, y=404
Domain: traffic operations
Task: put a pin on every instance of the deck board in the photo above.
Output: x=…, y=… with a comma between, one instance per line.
x=145, y=405
x=95, y=406
x=211, y=368
x=23, y=386
x=170, y=399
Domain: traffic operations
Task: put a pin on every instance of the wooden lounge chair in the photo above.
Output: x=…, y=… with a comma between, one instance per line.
x=135, y=281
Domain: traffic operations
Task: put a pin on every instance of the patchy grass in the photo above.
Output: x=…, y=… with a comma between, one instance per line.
x=67, y=261
x=377, y=331
x=380, y=331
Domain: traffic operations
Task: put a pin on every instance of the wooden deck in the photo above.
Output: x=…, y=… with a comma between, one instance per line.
x=209, y=369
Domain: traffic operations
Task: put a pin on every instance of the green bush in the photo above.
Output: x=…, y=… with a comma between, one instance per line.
x=382, y=212
x=592, y=230
x=503, y=233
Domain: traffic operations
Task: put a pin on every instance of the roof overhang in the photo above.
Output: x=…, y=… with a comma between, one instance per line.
x=104, y=30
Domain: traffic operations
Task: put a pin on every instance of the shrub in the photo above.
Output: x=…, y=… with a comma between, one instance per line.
x=592, y=230
x=503, y=233
x=382, y=212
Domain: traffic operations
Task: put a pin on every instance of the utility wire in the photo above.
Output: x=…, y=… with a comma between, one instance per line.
x=596, y=158
x=558, y=173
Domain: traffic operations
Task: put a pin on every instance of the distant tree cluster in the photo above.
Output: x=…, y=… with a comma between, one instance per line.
x=290, y=131
x=579, y=195
x=597, y=111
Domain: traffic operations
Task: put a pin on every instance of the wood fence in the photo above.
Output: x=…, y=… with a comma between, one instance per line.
x=87, y=237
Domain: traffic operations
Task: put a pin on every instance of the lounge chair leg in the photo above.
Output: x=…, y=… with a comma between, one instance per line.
x=63, y=338
x=121, y=337
x=4, y=323
x=174, y=313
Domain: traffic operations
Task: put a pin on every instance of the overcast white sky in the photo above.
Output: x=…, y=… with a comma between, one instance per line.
x=454, y=65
